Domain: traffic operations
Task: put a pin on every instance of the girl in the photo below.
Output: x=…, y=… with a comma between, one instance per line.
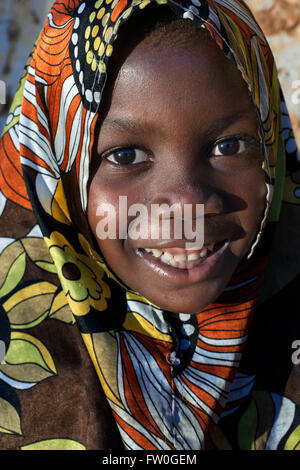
x=169, y=103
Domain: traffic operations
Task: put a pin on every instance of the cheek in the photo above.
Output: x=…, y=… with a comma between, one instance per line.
x=107, y=247
x=103, y=213
x=256, y=191
x=253, y=191
x=98, y=198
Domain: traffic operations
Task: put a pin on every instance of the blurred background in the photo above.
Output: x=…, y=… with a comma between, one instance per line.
x=22, y=20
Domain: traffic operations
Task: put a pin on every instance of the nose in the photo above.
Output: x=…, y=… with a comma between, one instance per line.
x=185, y=206
x=178, y=195
x=184, y=176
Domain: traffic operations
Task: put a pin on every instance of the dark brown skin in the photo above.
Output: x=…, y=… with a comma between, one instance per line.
x=176, y=104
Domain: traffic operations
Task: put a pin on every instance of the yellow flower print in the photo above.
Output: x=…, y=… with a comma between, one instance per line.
x=88, y=249
x=81, y=277
x=92, y=254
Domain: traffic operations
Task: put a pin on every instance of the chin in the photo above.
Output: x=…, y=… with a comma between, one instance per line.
x=186, y=302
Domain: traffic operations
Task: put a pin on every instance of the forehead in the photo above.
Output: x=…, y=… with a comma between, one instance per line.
x=194, y=76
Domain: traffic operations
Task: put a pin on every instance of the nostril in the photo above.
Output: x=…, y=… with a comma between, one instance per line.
x=214, y=205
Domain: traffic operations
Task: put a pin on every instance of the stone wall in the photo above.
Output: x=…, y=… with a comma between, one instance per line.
x=280, y=21
x=21, y=21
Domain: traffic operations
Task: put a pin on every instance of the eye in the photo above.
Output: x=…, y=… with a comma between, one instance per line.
x=229, y=147
x=126, y=156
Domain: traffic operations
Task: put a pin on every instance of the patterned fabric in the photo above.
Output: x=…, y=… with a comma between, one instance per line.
x=168, y=379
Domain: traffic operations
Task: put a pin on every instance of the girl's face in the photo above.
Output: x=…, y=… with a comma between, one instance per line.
x=180, y=129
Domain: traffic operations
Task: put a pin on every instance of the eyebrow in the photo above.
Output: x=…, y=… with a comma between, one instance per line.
x=223, y=123
x=128, y=125
x=138, y=127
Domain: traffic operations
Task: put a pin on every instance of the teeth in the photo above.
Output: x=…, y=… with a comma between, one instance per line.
x=156, y=253
x=166, y=257
x=181, y=260
x=172, y=262
x=193, y=256
x=178, y=260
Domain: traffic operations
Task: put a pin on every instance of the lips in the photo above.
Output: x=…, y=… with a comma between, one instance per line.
x=182, y=258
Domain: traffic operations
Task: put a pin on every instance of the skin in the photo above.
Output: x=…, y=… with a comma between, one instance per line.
x=175, y=104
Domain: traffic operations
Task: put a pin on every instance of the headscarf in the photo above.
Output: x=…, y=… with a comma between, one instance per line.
x=166, y=377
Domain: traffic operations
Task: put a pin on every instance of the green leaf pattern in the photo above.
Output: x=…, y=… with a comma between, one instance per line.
x=10, y=422
x=269, y=422
x=293, y=442
x=55, y=444
x=27, y=361
x=247, y=427
x=11, y=272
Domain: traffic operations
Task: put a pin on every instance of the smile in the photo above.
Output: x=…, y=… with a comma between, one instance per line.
x=181, y=258
x=178, y=263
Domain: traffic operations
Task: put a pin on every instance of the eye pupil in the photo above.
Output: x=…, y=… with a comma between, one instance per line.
x=229, y=147
x=125, y=156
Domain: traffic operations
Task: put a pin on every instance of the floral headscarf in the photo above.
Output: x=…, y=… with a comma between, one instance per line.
x=166, y=377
